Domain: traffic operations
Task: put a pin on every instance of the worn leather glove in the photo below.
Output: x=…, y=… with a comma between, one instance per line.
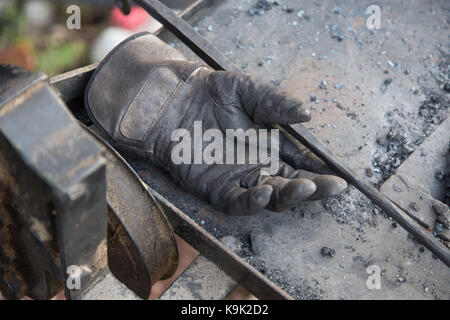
x=145, y=90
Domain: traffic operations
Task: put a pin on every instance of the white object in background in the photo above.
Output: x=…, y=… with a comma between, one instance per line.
x=39, y=13
x=107, y=40
x=4, y=4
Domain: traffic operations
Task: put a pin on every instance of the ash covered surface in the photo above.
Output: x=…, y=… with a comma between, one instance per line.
x=302, y=290
x=400, y=142
x=352, y=208
x=260, y=7
x=153, y=177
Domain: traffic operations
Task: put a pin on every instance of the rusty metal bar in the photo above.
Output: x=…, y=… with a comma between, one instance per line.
x=185, y=33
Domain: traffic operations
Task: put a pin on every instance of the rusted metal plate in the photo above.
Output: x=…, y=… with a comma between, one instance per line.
x=204, y=280
x=141, y=245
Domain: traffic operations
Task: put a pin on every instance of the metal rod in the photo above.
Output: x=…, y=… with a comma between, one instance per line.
x=180, y=28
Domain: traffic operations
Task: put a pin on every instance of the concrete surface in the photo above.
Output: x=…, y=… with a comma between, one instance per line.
x=384, y=96
x=429, y=157
x=202, y=280
x=109, y=288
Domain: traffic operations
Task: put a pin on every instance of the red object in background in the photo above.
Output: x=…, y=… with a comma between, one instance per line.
x=137, y=18
x=20, y=54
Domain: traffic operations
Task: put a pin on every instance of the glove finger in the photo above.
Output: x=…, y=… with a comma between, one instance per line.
x=264, y=103
x=259, y=176
x=298, y=156
x=327, y=186
x=288, y=193
x=268, y=104
x=244, y=202
x=286, y=171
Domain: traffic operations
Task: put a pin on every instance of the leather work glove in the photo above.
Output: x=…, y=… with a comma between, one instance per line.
x=147, y=98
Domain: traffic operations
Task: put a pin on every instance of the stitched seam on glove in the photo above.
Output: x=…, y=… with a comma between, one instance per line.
x=127, y=109
x=188, y=73
x=185, y=77
x=206, y=91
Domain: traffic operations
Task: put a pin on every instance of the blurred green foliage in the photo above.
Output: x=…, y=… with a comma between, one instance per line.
x=52, y=58
x=61, y=58
x=13, y=23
